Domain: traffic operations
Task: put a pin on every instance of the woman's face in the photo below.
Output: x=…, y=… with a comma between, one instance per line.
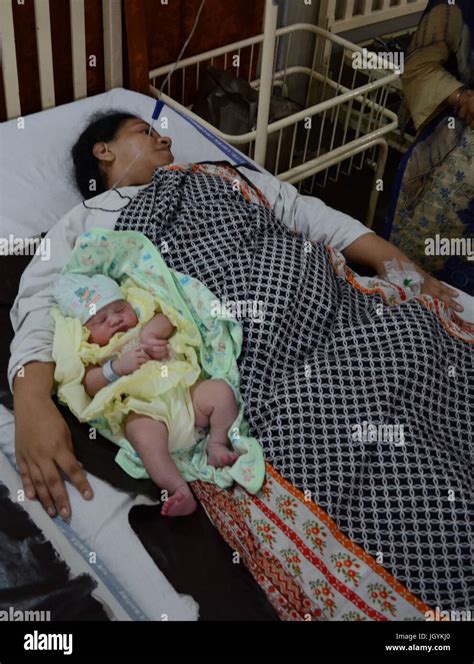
x=117, y=316
x=116, y=155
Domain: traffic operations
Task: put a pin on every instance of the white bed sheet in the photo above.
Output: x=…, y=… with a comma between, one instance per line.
x=132, y=586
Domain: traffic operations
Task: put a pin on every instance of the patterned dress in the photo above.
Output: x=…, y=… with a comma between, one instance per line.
x=327, y=360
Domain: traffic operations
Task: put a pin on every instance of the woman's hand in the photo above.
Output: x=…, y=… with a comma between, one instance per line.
x=43, y=446
x=374, y=251
x=431, y=286
x=466, y=108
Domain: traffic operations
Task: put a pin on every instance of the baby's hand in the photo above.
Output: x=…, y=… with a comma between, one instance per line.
x=131, y=361
x=157, y=349
x=157, y=329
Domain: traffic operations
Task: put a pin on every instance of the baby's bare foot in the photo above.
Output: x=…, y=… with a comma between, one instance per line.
x=219, y=455
x=181, y=503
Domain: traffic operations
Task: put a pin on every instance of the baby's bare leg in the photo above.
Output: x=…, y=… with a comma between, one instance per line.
x=215, y=406
x=150, y=439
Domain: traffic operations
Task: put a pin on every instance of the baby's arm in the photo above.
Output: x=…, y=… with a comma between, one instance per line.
x=154, y=334
x=159, y=327
x=94, y=379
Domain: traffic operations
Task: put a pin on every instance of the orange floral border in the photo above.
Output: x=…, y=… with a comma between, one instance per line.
x=430, y=304
x=346, y=542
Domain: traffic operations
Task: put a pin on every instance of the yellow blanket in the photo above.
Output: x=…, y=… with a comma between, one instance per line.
x=159, y=389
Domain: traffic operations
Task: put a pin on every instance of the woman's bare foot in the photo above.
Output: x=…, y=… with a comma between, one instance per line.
x=181, y=503
x=219, y=455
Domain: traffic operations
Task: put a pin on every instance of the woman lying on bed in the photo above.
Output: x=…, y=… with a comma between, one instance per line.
x=101, y=155
x=329, y=345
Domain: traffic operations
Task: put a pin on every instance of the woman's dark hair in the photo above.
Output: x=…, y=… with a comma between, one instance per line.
x=101, y=126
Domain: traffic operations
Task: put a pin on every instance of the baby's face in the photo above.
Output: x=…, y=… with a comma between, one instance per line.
x=116, y=317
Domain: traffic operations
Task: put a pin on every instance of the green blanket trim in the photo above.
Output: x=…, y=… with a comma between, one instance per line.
x=130, y=254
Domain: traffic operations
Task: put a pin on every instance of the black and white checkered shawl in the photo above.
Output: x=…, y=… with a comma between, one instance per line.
x=324, y=359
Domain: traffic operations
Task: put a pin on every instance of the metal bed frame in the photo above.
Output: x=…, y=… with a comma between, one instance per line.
x=351, y=117
x=112, y=30
x=343, y=15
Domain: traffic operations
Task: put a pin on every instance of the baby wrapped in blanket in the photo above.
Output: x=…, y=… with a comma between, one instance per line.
x=132, y=371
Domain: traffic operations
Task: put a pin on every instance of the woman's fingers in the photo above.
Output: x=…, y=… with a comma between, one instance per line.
x=28, y=485
x=442, y=292
x=73, y=470
x=449, y=290
x=56, y=489
x=41, y=488
x=451, y=303
x=447, y=296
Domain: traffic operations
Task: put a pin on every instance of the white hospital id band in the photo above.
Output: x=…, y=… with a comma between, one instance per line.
x=109, y=374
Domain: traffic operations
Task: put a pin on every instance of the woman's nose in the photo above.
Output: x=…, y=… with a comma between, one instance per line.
x=165, y=141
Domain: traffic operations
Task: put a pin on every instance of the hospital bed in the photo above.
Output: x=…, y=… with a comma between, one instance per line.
x=341, y=16
x=29, y=209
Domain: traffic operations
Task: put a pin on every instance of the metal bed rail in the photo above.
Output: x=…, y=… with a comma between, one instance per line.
x=343, y=114
x=344, y=15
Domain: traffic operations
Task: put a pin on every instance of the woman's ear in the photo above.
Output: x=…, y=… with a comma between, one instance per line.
x=102, y=153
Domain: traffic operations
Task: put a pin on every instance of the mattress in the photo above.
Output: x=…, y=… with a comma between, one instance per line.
x=270, y=531
x=130, y=586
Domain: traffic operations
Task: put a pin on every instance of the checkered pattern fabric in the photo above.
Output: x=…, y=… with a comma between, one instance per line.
x=325, y=365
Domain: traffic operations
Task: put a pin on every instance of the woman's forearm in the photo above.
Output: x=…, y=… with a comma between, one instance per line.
x=372, y=251
x=35, y=381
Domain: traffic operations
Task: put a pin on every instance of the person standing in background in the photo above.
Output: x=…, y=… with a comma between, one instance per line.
x=433, y=194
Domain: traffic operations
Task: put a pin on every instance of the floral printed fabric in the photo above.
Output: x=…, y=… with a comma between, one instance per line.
x=444, y=207
x=308, y=569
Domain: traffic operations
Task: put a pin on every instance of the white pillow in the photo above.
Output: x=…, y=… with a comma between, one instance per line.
x=36, y=184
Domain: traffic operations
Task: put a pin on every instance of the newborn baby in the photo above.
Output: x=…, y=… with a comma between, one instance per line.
x=99, y=304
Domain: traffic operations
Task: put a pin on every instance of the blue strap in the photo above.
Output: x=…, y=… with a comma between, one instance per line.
x=158, y=106
x=222, y=145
